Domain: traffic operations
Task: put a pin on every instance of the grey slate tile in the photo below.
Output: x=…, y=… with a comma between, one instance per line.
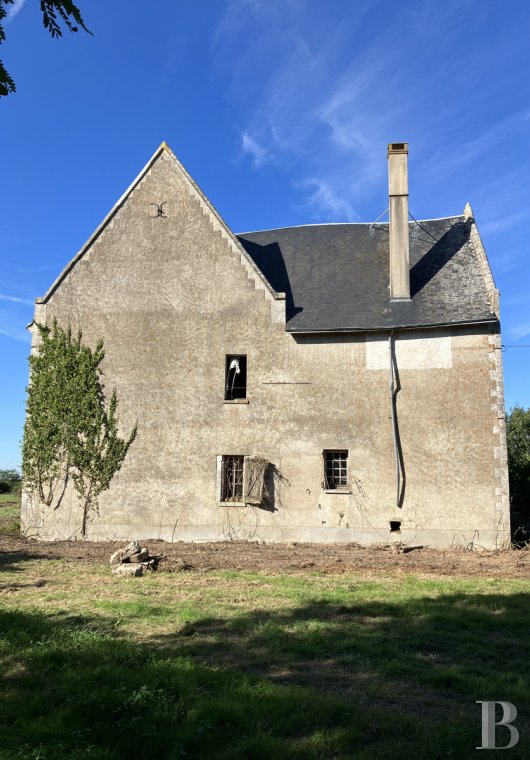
x=336, y=276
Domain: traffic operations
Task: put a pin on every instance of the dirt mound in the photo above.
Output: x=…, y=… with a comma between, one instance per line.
x=273, y=559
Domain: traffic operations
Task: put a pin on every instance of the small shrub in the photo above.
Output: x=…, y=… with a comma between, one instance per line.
x=70, y=431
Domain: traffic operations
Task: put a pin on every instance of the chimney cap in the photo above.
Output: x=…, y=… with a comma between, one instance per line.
x=402, y=147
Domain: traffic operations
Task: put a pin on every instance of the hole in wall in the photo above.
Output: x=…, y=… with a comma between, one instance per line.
x=395, y=526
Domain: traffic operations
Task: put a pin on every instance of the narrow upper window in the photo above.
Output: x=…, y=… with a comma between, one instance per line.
x=335, y=469
x=235, y=377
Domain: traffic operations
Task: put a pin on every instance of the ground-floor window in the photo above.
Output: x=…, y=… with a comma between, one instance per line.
x=335, y=469
x=240, y=479
x=232, y=469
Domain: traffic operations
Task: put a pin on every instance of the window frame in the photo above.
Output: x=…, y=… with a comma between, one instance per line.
x=221, y=480
x=229, y=398
x=252, y=480
x=344, y=487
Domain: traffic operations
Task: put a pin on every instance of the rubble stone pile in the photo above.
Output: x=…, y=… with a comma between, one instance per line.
x=133, y=561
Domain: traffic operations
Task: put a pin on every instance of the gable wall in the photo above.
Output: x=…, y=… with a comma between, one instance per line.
x=171, y=298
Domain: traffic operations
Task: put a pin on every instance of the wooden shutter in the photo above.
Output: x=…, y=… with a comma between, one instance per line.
x=254, y=476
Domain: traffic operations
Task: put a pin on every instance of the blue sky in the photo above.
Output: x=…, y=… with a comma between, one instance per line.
x=281, y=111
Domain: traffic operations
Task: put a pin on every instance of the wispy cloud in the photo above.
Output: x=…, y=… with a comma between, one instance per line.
x=455, y=152
x=323, y=198
x=251, y=146
x=520, y=331
x=15, y=316
x=14, y=299
x=505, y=222
x=46, y=268
x=12, y=10
x=319, y=100
x=14, y=334
x=14, y=326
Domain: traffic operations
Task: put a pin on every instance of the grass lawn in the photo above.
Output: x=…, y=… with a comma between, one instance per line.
x=10, y=512
x=242, y=664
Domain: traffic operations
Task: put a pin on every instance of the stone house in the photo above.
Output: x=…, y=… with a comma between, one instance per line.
x=326, y=383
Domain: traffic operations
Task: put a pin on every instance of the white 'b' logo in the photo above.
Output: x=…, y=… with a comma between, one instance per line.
x=509, y=714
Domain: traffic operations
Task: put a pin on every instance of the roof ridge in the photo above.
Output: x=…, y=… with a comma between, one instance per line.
x=345, y=224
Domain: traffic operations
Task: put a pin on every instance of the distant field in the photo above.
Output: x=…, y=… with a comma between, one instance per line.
x=10, y=498
x=250, y=664
x=10, y=512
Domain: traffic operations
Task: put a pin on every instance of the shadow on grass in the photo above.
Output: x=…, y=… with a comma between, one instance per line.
x=461, y=642
x=10, y=559
x=319, y=681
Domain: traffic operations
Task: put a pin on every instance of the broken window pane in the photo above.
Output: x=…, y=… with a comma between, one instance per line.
x=235, y=377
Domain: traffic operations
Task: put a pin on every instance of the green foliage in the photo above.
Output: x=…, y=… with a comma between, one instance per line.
x=54, y=13
x=10, y=512
x=9, y=480
x=10, y=476
x=69, y=430
x=518, y=439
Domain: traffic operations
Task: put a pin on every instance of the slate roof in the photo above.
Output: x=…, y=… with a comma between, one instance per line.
x=336, y=276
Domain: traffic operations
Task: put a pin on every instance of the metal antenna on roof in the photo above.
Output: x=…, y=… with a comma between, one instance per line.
x=423, y=228
x=379, y=217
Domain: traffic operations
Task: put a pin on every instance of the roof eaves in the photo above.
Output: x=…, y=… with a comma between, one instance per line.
x=388, y=328
x=347, y=224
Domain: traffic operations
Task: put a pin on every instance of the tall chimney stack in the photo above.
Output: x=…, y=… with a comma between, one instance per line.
x=398, y=188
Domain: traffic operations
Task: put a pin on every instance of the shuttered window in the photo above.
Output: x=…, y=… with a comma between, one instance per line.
x=254, y=477
x=242, y=479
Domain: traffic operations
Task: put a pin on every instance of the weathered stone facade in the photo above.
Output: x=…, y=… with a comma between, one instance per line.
x=171, y=296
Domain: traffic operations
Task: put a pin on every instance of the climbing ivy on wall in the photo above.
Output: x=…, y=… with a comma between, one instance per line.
x=71, y=432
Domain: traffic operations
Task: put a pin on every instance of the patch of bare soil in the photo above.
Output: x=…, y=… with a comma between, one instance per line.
x=274, y=559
